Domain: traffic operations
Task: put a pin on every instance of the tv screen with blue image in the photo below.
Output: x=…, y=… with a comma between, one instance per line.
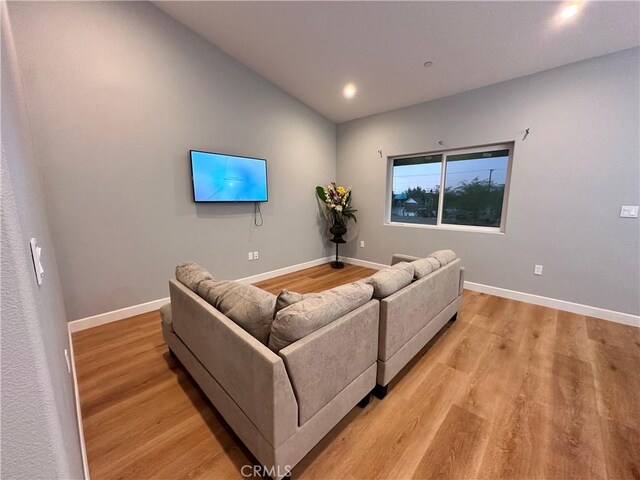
x=228, y=178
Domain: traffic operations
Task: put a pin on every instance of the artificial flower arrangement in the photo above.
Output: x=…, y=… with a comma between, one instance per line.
x=337, y=200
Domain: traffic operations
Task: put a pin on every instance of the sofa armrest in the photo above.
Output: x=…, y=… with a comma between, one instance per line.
x=251, y=374
x=165, y=315
x=461, y=288
x=399, y=257
x=323, y=363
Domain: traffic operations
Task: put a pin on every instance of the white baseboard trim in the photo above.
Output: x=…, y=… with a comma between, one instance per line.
x=611, y=315
x=618, y=317
x=283, y=271
x=76, y=392
x=363, y=263
x=122, y=313
x=115, y=315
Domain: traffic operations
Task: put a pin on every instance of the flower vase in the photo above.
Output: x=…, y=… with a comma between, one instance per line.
x=338, y=231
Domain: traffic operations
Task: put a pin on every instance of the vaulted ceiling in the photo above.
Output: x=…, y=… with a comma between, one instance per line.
x=312, y=49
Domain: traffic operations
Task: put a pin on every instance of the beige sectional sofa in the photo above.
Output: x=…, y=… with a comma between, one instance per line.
x=280, y=403
x=411, y=316
x=283, y=371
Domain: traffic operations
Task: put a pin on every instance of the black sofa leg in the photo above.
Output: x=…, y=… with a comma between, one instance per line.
x=454, y=318
x=380, y=391
x=173, y=355
x=365, y=401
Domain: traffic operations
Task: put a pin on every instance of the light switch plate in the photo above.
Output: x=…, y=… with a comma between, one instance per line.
x=66, y=357
x=629, y=211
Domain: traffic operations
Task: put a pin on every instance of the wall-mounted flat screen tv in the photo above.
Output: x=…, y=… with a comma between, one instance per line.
x=228, y=178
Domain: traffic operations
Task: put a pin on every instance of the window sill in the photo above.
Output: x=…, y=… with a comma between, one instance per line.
x=450, y=228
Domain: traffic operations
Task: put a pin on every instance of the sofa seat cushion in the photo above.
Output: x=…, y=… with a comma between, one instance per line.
x=248, y=306
x=388, y=281
x=443, y=256
x=424, y=266
x=315, y=311
x=191, y=274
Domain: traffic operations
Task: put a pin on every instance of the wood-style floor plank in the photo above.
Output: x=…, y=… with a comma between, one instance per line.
x=490, y=379
x=519, y=445
x=315, y=279
x=508, y=391
x=571, y=336
x=465, y=354
x=617, y=381
x=456, y=449
x=396, y=452
x=614, y=334
x=621, y=450
x=578, y=442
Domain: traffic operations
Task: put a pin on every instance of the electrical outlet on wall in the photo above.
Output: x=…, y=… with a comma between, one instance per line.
x=537, y=270
x=250, y=256
x=255, y=255
x=361, y=243
x=629, y=211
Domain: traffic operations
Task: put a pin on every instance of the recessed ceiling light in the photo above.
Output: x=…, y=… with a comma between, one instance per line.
x=427, y=64
x=569, y=11
x=349, y=90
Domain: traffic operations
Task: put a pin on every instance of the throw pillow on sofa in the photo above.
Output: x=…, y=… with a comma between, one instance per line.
x=424, y=267
x=191, y=274
x=388, y=281
x=444, y=256
x=248, y=306
x=315, y=311
x=286, y=298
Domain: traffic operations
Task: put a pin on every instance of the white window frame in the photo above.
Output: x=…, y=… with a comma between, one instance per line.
x=446, y=153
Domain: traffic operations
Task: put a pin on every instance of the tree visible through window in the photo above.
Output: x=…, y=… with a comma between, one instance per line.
x=416, y=189
x=473, y=182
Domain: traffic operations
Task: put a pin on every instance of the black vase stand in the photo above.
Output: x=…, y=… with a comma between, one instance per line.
x=337, y=239
x=337, y=263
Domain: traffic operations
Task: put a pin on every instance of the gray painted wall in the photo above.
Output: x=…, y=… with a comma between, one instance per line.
x=39, y=436
x=569, y=179
x=118, y=93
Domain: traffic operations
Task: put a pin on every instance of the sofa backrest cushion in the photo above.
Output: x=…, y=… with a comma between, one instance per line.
x=286, y=298
x=315, y=311
x=443, y=256
x=389, y=280
x=191, y=274
x=248, y=306
x=424, y=266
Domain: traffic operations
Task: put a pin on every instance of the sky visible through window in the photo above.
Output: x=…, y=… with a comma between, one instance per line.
x=427, y=175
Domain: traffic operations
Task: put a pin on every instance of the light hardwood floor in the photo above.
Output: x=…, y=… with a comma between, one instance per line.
x=510, y=390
